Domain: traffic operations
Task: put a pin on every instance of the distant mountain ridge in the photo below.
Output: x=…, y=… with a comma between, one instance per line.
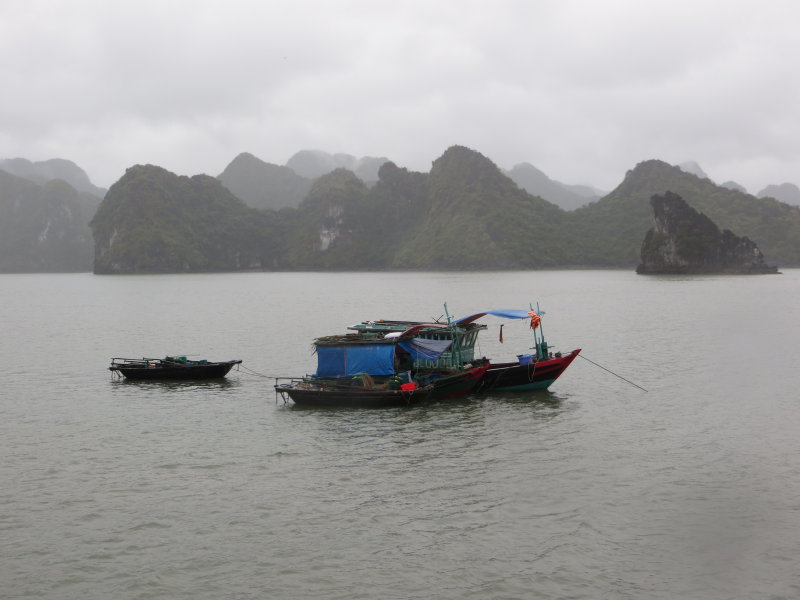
x=785, y=192
x=44, y=227
x=617, y=221
x=54, y=168
x=315, y=163
x=693, y=168
x=263, y=185
x=465, y=213
x=568, y=197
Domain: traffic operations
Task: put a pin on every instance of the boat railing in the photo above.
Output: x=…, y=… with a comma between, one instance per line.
x=172, y=361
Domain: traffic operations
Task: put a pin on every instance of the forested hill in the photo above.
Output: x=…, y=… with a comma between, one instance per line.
x=477, y=217
x=153, y=221
x=44, y=226
x=613, y=227
x=464, y=214
x=55, y=168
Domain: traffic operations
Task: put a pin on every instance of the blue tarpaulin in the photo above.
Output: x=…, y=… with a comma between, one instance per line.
x=348, y=359
x=503, y=313
x=424, y=348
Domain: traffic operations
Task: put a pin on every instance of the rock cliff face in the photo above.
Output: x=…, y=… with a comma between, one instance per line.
x=684, y=241
x=153, y=221
x=44, y=228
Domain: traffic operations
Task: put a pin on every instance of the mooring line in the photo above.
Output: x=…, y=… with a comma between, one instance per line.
x=612, y=372
x=251, y=372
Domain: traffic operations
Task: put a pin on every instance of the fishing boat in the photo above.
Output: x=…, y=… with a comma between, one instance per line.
x=385, y=363
x=170, y=367
x=527, y=373
x=530, y=371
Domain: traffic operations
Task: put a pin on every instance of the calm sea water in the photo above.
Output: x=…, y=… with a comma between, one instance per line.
x=595, y=489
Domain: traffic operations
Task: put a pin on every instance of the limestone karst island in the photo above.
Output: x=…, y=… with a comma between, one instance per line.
x=684, y=241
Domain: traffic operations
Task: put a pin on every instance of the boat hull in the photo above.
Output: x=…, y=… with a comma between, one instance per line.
x=183, y=372
x=434, y=385
x=312, y=393
x=539, y=375
x=456, y=385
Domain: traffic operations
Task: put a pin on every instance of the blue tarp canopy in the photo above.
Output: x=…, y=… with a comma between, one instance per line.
x=346, y=360
x=424, y=348
x=503, y=313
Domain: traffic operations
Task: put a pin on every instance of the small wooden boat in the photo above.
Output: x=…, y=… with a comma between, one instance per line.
x=527, y=373
x=536, y=371
x=170, y=367
x=364, y=390
x=390, y=363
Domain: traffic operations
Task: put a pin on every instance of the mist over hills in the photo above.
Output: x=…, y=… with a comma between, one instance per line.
x=788, y=193
x=47, y=170
x=264, y=185
x=44, y=227
x=465, y=213
x=785, y=192
x=568, y=197
x=690, y=166
x=314, y=163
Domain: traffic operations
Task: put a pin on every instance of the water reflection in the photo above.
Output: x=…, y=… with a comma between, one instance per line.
x=495, y=415
x=176, y=387
x=544, y=399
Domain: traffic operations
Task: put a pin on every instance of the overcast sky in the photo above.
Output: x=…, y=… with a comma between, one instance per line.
x=582, y=89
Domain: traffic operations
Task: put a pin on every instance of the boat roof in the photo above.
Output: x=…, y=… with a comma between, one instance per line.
x=408, y=327
x=503, y=313
x=352, y=338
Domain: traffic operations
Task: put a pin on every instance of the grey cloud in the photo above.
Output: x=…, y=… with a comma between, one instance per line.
x=581, y=89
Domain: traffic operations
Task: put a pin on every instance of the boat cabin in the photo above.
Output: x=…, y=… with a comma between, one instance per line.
x=461, y=338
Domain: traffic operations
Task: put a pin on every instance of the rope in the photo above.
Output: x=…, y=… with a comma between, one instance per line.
x=612, y=372
x=532, y=370
x=249, y=371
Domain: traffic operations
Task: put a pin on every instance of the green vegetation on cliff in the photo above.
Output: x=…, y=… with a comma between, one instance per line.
x=614, y=226
x=44, y=227
x=154, y=221
x=326, y=230
x=478, y=218
x=467, y=214
x=684, y=240
x=464, y=214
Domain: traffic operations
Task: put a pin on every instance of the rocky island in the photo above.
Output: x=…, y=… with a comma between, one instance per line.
x=684, y=241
